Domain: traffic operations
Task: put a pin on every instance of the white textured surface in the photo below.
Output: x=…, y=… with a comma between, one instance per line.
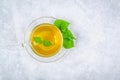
x=96, y=22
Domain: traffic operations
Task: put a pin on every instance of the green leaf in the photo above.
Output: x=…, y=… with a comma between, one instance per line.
x=68, y=38
x=61, y=24
x=37, y=40
x=68, y=34
x=64, y=26
x=65, y=34
x=58, y=23
x=68, y=43
x=47, y=43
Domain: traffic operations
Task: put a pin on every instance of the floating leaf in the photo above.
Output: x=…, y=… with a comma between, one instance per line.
x=47, y=43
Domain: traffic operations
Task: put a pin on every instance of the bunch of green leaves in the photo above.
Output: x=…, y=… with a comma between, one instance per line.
x=68, y=38
x=38, y=40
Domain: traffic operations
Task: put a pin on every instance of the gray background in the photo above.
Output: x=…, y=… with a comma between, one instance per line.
x=96, y=24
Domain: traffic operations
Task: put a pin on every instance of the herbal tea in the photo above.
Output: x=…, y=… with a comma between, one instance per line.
x=46, y=40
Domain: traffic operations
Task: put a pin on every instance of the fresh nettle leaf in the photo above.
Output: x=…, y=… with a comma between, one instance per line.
x=47, y=43
x=37, y=40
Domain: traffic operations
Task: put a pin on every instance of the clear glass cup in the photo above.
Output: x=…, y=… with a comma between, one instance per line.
x=27, y=45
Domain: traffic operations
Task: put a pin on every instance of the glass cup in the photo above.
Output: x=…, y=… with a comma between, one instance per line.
x=28, y=47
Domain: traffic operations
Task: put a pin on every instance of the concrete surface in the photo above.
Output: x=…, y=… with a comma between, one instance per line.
x=96, y=24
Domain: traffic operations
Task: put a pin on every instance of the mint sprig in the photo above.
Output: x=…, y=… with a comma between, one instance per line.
x=61, y=24
x=68, y=38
